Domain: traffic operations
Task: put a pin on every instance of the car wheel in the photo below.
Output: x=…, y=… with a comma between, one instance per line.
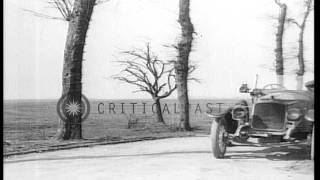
x=218, y=138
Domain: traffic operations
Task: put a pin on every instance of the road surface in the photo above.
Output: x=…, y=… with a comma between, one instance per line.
x=174, y=158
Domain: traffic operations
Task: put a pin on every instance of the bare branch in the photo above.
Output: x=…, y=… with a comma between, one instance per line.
x=272, y=17
x=162, y=70
x=149, y=73
x=291, y=20
x=67, y=7
x=171, y=46
x=278, y=2
x=62, y=9
x=168, y=93
x=134, y=82
x=43, y=15
x=101, y=1
x=191, y=68
x=194, y=79
x=133, y=53
x=171, y=75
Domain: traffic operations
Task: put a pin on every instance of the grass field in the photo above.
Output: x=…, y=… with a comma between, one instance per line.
x=33, y=124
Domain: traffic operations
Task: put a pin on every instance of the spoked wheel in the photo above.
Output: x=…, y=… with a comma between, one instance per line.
x=218, y=139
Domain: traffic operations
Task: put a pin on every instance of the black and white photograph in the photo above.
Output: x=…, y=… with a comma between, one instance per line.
x=158, y=89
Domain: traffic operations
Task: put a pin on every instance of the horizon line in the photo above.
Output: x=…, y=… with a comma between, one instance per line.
x=28, y=99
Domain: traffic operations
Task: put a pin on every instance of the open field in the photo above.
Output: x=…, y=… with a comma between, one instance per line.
x=34, y=124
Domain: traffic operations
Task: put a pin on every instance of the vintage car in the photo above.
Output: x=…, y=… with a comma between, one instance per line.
x=275, y=113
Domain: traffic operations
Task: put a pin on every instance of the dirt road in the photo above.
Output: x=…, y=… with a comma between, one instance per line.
x=175, y=158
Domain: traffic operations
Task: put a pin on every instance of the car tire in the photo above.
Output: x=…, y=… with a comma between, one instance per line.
x=218, y=141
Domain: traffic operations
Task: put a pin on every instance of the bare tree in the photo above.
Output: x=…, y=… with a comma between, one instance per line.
x=279, y=41
x=78, y=15
x=301, y=26
x=182, y=63
x=150, y=74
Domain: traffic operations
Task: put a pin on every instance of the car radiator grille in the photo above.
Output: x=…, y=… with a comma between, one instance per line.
x=268, y=116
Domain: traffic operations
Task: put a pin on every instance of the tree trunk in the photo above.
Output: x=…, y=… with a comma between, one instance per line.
x=301, y=69
x=159, y=116
x=301, y=62
x=280, y=79
x=182, y=64
x=299, y=80
x=279, y=44
x=72, y=67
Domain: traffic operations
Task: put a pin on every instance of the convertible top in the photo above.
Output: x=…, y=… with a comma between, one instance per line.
x=288, y=95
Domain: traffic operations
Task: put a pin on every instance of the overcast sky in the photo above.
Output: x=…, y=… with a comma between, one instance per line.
x=234, y=41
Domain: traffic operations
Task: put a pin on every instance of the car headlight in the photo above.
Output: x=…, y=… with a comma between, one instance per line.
x=294, y=114
x=310, y=115
x=238, y=113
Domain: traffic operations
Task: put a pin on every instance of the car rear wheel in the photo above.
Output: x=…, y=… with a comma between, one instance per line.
x=218, y=138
